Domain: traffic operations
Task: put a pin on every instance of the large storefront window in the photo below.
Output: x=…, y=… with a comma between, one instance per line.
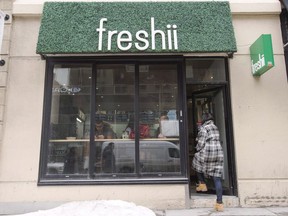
x=111, y=121
x=158, y=97
x=114, y=119
x=70, y=110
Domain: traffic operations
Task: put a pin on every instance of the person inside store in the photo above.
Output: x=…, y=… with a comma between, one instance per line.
x=103, y=130
x=163, y=117
x=108, y=159
x=209, y=157
x=129, y=129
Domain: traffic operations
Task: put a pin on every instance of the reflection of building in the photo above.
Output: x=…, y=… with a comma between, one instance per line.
x=50, y=102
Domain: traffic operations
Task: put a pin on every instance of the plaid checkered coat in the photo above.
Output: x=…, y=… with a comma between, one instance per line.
x=209, y=156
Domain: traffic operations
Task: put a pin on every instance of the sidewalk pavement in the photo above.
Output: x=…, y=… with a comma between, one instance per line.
x=265, y=211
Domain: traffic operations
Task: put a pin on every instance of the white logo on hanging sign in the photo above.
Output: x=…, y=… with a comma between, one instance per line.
x=259, y=64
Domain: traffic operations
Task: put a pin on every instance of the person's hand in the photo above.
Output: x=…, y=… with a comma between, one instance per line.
x=100, y=137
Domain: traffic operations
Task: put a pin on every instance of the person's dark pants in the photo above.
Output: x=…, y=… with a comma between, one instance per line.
x=218, y=188
x=217, y=183
x=201, y=177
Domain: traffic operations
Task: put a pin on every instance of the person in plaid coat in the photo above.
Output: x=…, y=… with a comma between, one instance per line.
x=208, y=159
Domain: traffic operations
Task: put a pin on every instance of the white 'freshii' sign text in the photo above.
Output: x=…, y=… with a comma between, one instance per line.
x=142, y=40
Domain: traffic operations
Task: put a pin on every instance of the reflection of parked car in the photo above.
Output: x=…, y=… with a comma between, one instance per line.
x=155, y=156
x=65, y=159
x=55, y=167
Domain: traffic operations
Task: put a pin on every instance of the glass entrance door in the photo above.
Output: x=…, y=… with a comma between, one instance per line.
x=210, y=100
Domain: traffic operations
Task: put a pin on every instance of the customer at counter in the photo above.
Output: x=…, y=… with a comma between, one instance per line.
x=163, y=117
x=127, y=133
x=103, y=130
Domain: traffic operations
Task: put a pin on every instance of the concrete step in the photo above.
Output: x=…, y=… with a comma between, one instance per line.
x=208, y=201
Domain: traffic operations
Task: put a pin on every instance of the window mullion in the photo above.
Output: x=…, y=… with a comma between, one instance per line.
x=136, y=108
x=92, y=119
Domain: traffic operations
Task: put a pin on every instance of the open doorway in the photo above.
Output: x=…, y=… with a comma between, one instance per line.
x=206, y=90
x=209, y=99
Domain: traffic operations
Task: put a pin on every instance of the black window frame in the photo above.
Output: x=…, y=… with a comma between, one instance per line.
x=284, y=31
x=43, y=179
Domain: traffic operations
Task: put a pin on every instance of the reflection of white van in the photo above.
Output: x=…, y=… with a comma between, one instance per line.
x=155, y=156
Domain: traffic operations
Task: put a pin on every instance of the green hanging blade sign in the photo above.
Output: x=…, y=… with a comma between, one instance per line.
x=261, y=54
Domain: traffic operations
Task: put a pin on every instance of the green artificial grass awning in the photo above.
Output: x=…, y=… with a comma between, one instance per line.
x=136, y=27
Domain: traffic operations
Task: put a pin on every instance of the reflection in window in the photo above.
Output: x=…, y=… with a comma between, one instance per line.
x=114, y=102
x=207, y=70
x=133, y=131
x=123, y=157
x=158, y=99
x=70, y=111
x=155, y=156
x=114, y=96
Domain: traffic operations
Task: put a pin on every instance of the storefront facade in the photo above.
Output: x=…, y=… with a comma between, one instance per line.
x=77, y=68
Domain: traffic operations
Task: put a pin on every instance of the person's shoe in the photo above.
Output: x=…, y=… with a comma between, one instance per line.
x=219, y=207
x=201, y=188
